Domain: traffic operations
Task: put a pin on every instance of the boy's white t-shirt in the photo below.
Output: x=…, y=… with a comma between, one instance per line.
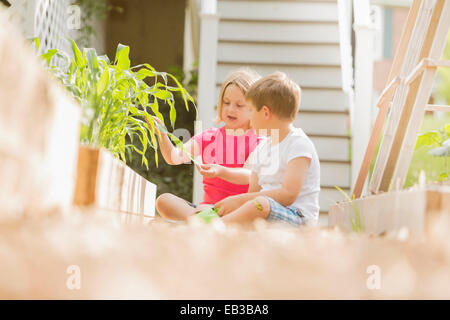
x=270, y=163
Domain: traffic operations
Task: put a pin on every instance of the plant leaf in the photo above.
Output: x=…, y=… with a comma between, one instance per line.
x=172, y=114
x=356, y=221
x=427, y=139
x=122, y=57
x=48, y=55
x=144, y=73
x=444, y=176
x=91, y=57
x=103, y=82
x=163, y=94
x=447, y=129
x=78, y=56
x=35, y=40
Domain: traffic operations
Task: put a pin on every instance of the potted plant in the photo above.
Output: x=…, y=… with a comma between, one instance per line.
x=117, y=101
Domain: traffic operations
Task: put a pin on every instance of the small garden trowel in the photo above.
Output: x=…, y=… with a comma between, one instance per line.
x=208, y=214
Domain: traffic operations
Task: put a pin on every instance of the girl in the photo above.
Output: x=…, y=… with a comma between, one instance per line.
x=224, y=150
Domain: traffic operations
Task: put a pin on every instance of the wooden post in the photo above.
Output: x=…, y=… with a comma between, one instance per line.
x=206, y=77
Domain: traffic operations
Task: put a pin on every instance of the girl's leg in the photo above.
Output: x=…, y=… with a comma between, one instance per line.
x=172, y=207
x=249, y=211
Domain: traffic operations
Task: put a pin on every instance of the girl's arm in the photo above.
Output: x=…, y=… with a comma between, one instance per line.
x=172, y=154
x=233, y=175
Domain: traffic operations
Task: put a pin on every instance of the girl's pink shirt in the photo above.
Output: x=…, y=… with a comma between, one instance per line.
x=227, y=150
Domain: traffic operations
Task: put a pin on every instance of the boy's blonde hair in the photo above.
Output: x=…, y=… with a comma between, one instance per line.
x=279, y=93
x=243, y=78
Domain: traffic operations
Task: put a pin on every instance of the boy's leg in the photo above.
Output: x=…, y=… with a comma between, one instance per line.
x=249, y=211
x=172, y=207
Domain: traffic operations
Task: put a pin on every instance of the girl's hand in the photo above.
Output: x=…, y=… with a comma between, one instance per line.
x=210, y=170
x=230, y=204
x=158, y=123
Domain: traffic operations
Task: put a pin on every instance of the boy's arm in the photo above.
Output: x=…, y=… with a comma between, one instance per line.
x=254, y=186
x=292, y=183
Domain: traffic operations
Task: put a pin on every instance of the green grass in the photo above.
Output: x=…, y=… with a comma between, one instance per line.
x=421, y=160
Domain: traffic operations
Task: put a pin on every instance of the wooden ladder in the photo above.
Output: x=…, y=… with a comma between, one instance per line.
x=406, y=96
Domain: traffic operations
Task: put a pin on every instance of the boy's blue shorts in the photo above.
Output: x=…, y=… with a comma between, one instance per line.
x=289, y=214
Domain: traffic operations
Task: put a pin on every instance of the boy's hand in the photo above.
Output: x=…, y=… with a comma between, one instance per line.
x=209, y=170
x=230, y=204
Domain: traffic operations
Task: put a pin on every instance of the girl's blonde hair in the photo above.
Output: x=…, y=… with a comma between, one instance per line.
x=242, y=78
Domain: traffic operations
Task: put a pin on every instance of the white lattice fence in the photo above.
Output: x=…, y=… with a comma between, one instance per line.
x=45, y=19
x=50, y=23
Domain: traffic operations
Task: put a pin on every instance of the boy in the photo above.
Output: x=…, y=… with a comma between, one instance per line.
x=285, y=178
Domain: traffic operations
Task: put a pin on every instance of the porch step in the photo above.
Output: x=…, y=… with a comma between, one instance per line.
x=279, y=53
x=279, y=32
x=334, y=173
x=304, y=75
x=324, y=99
x=323, y=123
x=313, y=98
x=312, y=11
x=332, y=148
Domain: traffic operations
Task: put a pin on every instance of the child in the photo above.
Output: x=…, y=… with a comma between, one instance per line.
x=224, y=150
x=285, y=178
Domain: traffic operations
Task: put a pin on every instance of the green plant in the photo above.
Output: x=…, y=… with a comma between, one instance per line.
x=192, y=83
x=356, y=220
x=174, y=179
x=115, y=99
x=440, y=140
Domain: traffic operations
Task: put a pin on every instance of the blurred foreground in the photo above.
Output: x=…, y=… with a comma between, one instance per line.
x=163, y=260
